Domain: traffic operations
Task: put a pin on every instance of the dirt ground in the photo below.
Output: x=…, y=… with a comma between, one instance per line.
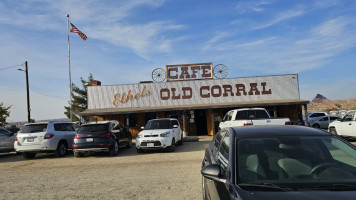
x=151, y=175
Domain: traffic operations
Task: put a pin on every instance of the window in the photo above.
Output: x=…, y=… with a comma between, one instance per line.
x=217, y=141
x=223, y=153
x=63, y=127
x=93, y=128
x=33, y=128
x=3, y=132
x=349, y=116
x=228, y=116
x=131, y=120
x=252, y=114
x=174, y=122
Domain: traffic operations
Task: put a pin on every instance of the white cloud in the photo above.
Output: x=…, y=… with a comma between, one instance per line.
x=252, y=6
x=281, y=17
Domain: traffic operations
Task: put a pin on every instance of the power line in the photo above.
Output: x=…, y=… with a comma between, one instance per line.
x=48, y=95
x=11, y=67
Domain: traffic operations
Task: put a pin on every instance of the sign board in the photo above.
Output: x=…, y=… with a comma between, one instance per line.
x=189, y=72
x=197, y=92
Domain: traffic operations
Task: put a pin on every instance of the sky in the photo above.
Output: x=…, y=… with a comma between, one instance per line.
x=127, y=40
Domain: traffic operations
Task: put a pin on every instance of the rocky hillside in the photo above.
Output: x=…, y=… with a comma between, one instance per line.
x=346, y=104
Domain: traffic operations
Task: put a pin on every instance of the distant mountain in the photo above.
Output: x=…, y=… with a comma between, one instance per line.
x=346, y=104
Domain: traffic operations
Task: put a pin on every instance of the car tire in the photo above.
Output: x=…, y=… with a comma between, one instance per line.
x=333, y=130
x=61, y=149
x=180, y=142
x=28, y=155
x=115, y=149
x=172, y=148
x=316, y=126
x=129, y=144
x=78, y=154
x=139, y=150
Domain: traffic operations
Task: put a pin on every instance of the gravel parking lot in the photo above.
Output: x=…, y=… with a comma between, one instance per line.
x=151, y=175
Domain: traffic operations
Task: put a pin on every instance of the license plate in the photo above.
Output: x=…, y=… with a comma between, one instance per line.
x=150, y=144
x=29, y=139
x=89, y=139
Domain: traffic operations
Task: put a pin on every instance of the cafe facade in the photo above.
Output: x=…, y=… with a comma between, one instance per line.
x=194, y=97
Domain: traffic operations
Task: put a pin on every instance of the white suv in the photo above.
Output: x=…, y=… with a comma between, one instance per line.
x=46, y=137
x=160, y=134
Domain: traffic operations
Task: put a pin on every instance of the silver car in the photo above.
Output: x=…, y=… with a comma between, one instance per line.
x=7, y=140
x=49, y=137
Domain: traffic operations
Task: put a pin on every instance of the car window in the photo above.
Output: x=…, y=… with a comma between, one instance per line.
x=3, y=132
x=228, y=116
x=216, y=143
x=158, y=124
x=174, y=122
x=223, y=152
x=64, y=127
x=33, y=128
x=93, y=128
x=349, y=116
x=304, y=160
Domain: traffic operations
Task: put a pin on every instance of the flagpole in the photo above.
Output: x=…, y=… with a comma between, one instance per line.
x=70, y=76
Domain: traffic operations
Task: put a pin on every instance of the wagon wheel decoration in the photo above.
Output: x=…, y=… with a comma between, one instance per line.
x=220, y=71
x=159, y=75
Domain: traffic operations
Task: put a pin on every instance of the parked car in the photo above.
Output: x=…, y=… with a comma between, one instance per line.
x=342, y=113
x=278, y=162
x=322, y=122
x=160, y=134
x=251, y=116
x=7, y=140
x=48, y=137
x=346, y=127
x=107, y=136
x=315, y=114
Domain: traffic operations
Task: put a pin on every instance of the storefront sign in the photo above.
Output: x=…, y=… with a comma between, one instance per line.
x=197, y=92
x=189, y=72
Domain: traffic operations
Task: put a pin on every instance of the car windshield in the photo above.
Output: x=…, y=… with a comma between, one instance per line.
x=158, y=124
x=251, y=114
x=296, y=162
x=93, y=128
x=33, y=128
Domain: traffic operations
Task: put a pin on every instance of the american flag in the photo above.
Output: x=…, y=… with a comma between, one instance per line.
x=321, y=99
x=74, y=29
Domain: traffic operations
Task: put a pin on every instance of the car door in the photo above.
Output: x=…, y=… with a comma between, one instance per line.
x=175, y=129
x=347, y=124
x=213, y=156
x=6, y=140
x=118, y=132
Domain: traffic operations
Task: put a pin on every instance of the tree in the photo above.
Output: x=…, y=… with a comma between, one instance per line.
x=4, y=113
x=79, y=98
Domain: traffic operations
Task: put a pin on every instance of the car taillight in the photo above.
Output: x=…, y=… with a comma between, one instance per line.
x=75, y=145
x=105, y=135
x=16, y=139
x=48, y=136
x=77, y=137
x=248, y=124
x=287, y=123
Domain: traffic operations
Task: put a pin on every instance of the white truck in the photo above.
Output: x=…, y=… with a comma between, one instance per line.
x=250, y=116
x=346, y=127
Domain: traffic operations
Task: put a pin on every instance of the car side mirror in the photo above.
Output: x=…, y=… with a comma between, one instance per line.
x=142, y=127
x=213, y=172
x=175, y=126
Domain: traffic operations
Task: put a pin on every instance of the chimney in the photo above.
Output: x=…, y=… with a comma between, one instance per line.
x=95, y=83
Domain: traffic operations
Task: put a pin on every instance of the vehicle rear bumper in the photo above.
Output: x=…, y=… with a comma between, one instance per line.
x=92, y=150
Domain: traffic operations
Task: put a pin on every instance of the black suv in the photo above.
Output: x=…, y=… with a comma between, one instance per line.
x=106, y=136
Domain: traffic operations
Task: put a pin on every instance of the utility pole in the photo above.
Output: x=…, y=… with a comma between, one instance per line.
x=28, y=93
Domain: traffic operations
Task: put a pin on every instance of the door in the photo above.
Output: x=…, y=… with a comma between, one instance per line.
x=200, y=122
x=347, y=125
x=6, y=140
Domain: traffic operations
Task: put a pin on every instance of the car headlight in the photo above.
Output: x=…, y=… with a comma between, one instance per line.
x=139, y=136
x=166, y=134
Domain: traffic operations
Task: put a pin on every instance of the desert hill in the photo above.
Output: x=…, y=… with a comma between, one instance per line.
x=345, y=104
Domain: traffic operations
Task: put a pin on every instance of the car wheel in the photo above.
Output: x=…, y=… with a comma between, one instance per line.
x=61, y=149
x=129, y=144
x=180, y=142
x=139, y=150
x=115, y=149
x=172, y=148
x=78, y=154
x=333, y=130
x=28, y=155
x=316, y=125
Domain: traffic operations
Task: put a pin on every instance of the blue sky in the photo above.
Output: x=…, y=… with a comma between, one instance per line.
x=127, y=40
